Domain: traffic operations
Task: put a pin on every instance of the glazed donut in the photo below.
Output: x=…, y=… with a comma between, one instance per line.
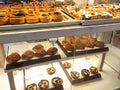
x=57, y=81
x=13, y=57
x=3, y=20
x=67, y=65
x=27, y=55
x=45, y=17
x=75, y=74
x=51, y=70
x=57, y=16
x=32, y=86
x=43, y=84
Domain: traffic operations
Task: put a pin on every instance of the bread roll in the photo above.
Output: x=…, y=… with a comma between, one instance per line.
x=52, y=51
x=27, y=55
x=13, y=57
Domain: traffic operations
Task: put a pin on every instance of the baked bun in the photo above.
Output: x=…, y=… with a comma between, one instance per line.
x=99, y=44
x=51, y=70
x=52, y=51
x=27, y=55
x=93, y=70
x=57, y=81
x=67, y=65
x=40, y=53
x=13, y=57
x=38, y=47
x=75, y=75
x=69, y=47
x=32, y=86
x=43, y=84
x=57, y=16
x=85, y=72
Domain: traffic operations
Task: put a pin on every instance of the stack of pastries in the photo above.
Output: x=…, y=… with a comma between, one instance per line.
x=29, y=13
x=90, y=12
x=80, y=42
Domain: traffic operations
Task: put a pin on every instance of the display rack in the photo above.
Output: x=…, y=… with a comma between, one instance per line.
x=12, y=34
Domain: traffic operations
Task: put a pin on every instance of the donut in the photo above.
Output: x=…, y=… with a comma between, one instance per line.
x=27, y=55
x=85, y=72
x=56, y=16
x=75, y=74
x=52, y=51
x=67, y=65
x=93, y=70
x=3, y=20
x=32, y=86
x=57, y=81
x=13, y=57
x=51, y=70
x=44, y=17
x=43, y=84
x=31, y=18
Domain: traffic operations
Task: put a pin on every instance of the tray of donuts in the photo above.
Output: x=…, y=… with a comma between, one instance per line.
x=43, y=77
x=27, y=53
x=79, y=71
x=31, y=16
x=81, y=45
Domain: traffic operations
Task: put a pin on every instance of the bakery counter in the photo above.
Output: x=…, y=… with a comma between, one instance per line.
x=44, y=33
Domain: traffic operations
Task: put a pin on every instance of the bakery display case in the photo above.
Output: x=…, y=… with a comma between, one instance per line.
x=40, y=34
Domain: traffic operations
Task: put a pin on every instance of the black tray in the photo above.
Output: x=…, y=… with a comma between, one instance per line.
x=23, y=64
x=83, y=52
x=80, y=80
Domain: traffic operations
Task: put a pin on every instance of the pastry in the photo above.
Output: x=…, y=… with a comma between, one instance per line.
x=40, y=53
x=93, y=70
x=17, y=19
x=13, y=57
x=99, y=44
x=75, y=75
x=3, y=20
x=67, y=65
x=56, y=16
x=70, y=47
x=52, y=51
x=43, y=84
x=27, y=55
x=32, y=86
x=70, y=39
x=44, y=17
x=57, y=81
x=85, y=72
x=38, y=47
x=51, y=70
x=31, y=18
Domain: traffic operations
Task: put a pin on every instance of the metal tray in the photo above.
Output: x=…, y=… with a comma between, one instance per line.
x=66, y=22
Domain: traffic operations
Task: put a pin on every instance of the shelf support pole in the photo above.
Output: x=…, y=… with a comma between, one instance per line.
x=101, y=62
x=11, y=80
x=2, y=56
